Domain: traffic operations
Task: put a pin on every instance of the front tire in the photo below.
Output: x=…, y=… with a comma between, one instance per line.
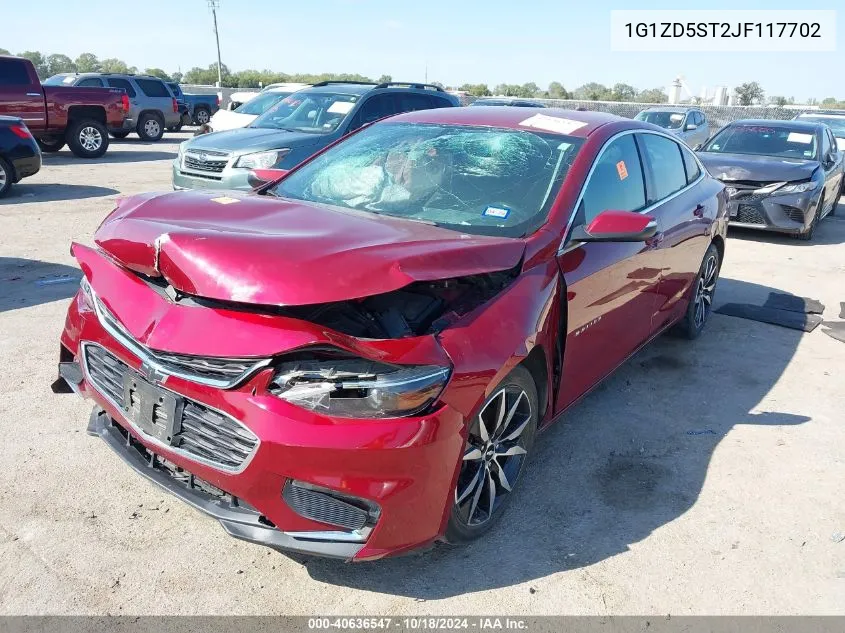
x=88, y=138
x=703, y=292
x=50, y=145
x=807, y=235
x=150, y=127
x=5, y=178
x=499, y=439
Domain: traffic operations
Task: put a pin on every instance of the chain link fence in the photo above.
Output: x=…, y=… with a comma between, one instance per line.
x=717, y=116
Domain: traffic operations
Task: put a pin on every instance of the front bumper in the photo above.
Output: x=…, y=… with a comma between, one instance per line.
x=229, y=178
x=405, y=466
x=783, y=213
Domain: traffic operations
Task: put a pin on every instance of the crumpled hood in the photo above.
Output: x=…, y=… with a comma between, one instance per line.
x=727, y=167
x=249, y=139
x=263, y=250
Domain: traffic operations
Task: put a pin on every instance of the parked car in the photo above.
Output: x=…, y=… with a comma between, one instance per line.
x=515, y=103
x=200, y=107
x=78, y=117
x=402, y=313
x=152, y=108
x=834, y=119
x=781, y=176
x=689, y=124
x=20, y=156
x=251, y=110
x=295, y=128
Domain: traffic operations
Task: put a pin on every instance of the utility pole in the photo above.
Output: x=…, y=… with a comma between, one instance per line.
x=214, y=5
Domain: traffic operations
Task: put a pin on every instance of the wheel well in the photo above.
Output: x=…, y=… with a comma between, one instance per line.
x=78, y=113
x=720, y=246
x=154, y=113
x=535, y=363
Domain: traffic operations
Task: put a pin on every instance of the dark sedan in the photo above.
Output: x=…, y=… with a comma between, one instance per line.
x=781, y=176
x=20, y=156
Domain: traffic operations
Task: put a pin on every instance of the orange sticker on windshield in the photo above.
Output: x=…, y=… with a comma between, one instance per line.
x=621, y=170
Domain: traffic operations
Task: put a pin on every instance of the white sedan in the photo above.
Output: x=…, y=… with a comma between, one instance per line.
x=247, y=112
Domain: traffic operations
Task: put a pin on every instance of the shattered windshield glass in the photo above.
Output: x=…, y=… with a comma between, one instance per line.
x=478, y=180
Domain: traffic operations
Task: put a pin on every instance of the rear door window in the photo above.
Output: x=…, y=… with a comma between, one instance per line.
x=665, y=166
x=691, y=165
x=91, y=82
x=616, y=183
x=13, y=73
x=115, y=82
x=153, y=88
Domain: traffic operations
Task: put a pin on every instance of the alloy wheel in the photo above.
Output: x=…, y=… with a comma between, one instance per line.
x=152, y=128
x=3, y=177
x=202, y=117
x=705, y=290
x=494, y=455
x=90, y=138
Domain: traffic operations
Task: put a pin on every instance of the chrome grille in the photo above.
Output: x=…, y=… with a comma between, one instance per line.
x=205, y=161
x=206, y=370
x=204, y=434
x=324, y=508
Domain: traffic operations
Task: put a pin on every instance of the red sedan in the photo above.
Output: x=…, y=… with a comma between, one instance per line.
x=356, y=360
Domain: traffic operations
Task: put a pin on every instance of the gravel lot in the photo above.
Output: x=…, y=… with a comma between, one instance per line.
x=622, y=511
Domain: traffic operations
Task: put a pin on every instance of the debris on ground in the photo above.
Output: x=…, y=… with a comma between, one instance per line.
x=702, y=432
x=837, y=537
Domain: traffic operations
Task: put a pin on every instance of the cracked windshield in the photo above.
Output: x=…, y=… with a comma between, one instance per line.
x=477, y=180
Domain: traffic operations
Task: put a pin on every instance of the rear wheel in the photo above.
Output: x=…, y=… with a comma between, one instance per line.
x=202, y=116
x=150, y=127
x=5, y=177
x=49, y=145
x=499, y=439
x=87, y=138
x=704, y=289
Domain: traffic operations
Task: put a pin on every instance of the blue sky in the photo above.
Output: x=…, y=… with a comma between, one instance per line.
x=490, y=41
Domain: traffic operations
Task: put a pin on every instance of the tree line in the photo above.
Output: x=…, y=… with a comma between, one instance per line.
x=48, y=65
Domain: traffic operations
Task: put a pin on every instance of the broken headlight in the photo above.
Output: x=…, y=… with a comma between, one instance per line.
x=357, y=388
x=798, y=187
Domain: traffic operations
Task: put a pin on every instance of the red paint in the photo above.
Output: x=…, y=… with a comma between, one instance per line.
x=609, y=298
x=617, y=222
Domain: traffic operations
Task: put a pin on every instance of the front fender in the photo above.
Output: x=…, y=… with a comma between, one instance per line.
x=490, y=341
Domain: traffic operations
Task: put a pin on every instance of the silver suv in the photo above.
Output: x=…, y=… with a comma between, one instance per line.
x=152, y=107
x=689, y=124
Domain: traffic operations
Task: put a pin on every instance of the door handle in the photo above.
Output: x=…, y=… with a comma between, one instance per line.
x=33, y=94
x=698, y=211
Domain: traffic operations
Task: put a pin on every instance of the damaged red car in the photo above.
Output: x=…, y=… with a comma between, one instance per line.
x=356, y=359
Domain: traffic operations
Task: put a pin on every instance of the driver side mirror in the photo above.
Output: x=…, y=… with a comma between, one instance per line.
x=698, y=147
x=616, y=226
x=690, y=126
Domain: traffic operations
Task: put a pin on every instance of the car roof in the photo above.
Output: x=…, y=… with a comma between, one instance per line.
x=809, y=126
x=343, y=88
x=820, y=113
x=670, y=108
x=510, y=117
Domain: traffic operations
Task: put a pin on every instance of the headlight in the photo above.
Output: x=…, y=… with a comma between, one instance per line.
x=357, y=388
x=800, y=187
x=261, y=160
x=87, y=294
